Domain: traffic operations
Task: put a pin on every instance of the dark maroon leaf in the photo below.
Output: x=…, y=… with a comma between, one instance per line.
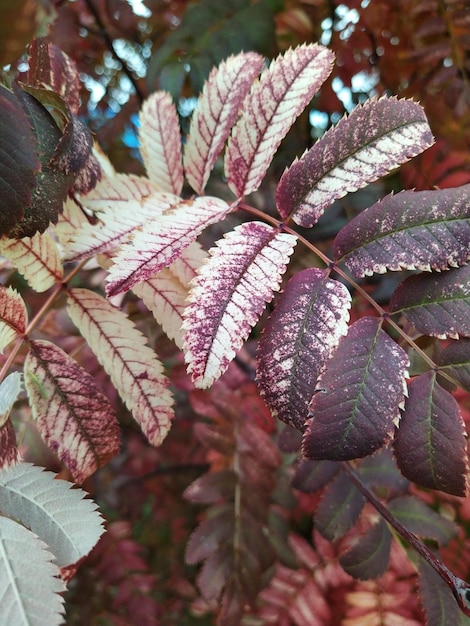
x=381, y=472
x=369, y=556
x=422, y=520
x=411, y=230
x=430, y=444
x=436, y=304
x=361, y=393
x=438, y=601
x=310, y=476
x=289, y=439
x=339, y=508
x=455, y=360
x=299, y=337
x=211, y=488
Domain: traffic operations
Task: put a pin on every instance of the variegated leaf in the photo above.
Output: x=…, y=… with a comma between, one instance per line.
x=131, y=364
x=9, y=453
x=13, y=316
x=270, y=109
x=411, y=230
x=161, y=242
x=217, y=111
x=436, y=304
x=160, y=142
x=359, y=395
x=299, y=337
x=74, y=417
x=230, y=293
x=10, y=388
x=375, y=138
x=37, y=258
x=122, y=204
x=165, y=295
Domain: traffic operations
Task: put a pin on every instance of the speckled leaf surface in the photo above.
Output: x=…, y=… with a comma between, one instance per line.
x=420, y=230
x=216, y=113
x=13, y=316
x=374, y=139
x=230, y=293
x=132, y=366
x=160, y=142
x=300, y=335
x=270, y=109
x=436, y=304
x=430, y=444
x=359, y=395
x=73, y=416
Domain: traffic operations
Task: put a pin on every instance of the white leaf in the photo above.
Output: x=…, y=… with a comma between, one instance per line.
x=132, y=366
x=10, y=389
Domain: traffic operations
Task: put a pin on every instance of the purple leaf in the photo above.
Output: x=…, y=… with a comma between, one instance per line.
x=421, y=520
x=217, y=111
x=375, y=138
x=438, y=601
x=270, y=109
x=369, y=556
x=229, y=295
x=301, y=334
x=436, y=304
x=361, y=393
x=310, y=476
x=412, y=230
x=455, y=360
x=339, y=508
x=430, y=444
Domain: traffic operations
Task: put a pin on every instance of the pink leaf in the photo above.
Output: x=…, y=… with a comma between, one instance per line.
x=160, y=142
x=374, y=139
x=217, y=111
x=161, y=242
x=74, y=417
x=9, y=454
x=229, y=295
x=270, y=109
x=13, y=316
x=132, y=366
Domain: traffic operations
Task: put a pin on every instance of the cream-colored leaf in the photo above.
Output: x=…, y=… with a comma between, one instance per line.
x=13, y=316
x=10, y=389
x=37, y=258
x=70, y=222
x=131, y=364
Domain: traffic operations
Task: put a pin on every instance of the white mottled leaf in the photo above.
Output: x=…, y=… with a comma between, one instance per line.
x=37, y=258
x=131, y=364
x=10, y=389
x=230, y=293
x=73, y=416
x=269, y=110
x=375, y=138
x=13, y=316
x=160, y=142
x=217, y=111
x=161, y=242
x=30, y=586
x=69, y=524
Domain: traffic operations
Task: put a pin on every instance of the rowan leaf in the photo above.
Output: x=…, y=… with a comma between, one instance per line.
x=37, y=258
x=9, y=454
x=161, y=242
x=438, y=601
x=13, y=316
x=299, y=337
x=421, y=520
x=436, y=304
x=455, y=360
x=359, y=395
x=310, y=476
x=374, y=139
x=421, y=230
x=229, y=294
x=216, y=113
x=10, y=389
x=30, y=585
x=160, y=142
x=369, y=556
x=430, y=444
x=132, y=366
x=274, y=102
x=122, y=204
x=339, y=508
x=69, y=524
x=75, y=419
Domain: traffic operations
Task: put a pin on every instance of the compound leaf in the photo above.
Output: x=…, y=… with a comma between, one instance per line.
x=339, y=508
x=132, y=366
x=359, y=396
x=411, y=230
x=436, y=304
x=369, y=556
x=230, y=293
x=217, y=111
x=421, y=520
x=13, y=316
x=430, y=444
x=270, y=109
x=160, y=142
x=375, y=138
x=299, y=337
x=75, y=419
